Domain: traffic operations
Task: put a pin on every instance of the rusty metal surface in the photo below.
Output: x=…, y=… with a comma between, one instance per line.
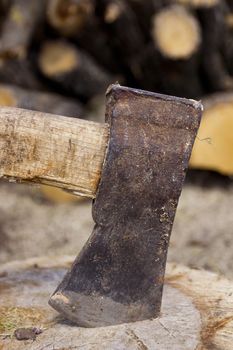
x=118, y=277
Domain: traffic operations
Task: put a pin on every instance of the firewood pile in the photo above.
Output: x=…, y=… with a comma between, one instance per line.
x=58, y=55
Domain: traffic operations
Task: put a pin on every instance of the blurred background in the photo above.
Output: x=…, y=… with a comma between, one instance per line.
x=59, y=56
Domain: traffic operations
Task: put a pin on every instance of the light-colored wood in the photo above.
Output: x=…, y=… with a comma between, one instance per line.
x=69, y=17
x=74, y=70
x=112, y=12
x=176, y=32
x=53, y=150
x=56, y=195
x=213, y=148
x=58, y=57
x=198, y=3
x=15, y=96
x=197, y=312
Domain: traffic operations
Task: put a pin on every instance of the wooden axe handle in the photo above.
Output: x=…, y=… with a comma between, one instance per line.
x=51, y=149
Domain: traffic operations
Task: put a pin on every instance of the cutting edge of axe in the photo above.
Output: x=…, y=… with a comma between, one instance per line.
x=118, y=276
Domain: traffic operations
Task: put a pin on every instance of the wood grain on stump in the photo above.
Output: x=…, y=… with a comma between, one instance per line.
x=197, y=312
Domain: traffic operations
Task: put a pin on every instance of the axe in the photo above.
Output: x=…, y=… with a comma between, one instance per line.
x=133, y=166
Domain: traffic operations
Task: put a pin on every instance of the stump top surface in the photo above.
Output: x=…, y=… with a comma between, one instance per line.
x=197, y=312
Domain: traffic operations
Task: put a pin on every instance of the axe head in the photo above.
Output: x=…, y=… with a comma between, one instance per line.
x=118, y=276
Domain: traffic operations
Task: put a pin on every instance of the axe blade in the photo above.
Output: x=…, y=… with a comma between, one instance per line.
x=118, y=276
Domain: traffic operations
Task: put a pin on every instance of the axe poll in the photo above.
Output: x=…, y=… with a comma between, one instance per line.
x=133, y=166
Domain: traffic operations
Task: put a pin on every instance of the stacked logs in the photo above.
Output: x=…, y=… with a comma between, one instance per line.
x=71, y=50
x=79, y=47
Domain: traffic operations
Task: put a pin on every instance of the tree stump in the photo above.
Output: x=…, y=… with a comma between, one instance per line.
x=197, y=312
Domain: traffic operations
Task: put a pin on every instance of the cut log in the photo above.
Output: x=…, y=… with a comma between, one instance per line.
x=176, y=33
x=19, y=27
x=213, y=148
x=14, y=96
x=192, y=54
x=72, y=69
x=113, y=37
x=77, y=19
x=69, y=17
x=53, y=150
x=197, y=312
x=177, y=38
